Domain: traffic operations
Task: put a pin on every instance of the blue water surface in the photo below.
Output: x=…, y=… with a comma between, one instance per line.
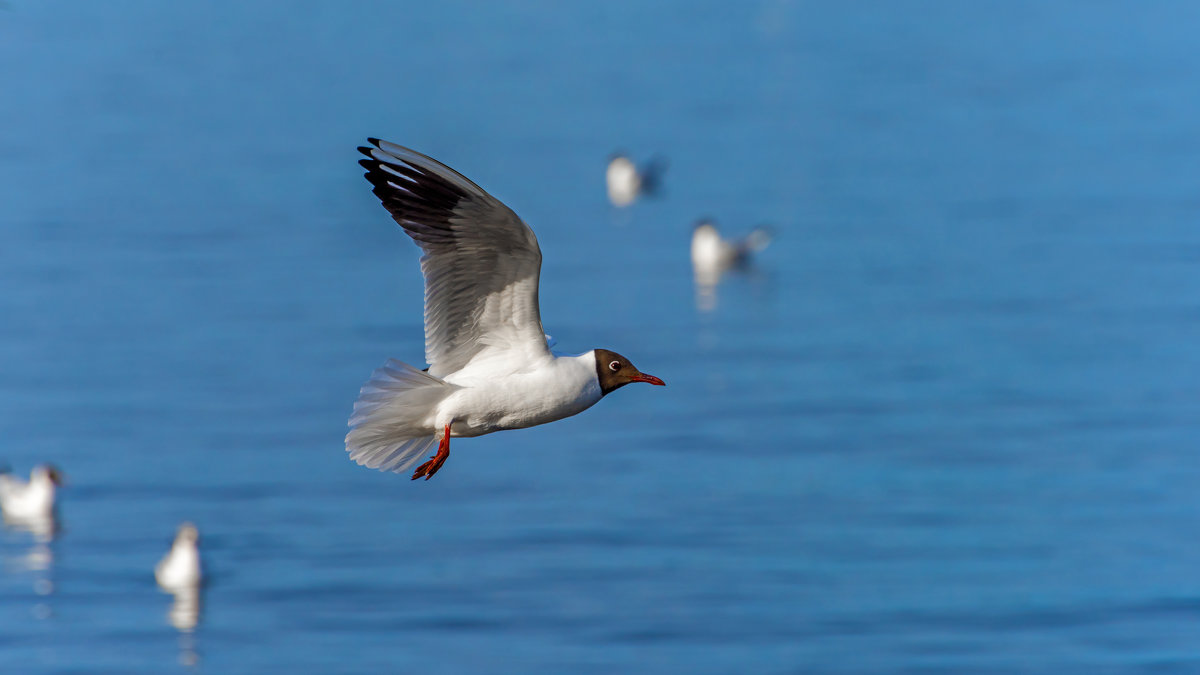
x=946, y=424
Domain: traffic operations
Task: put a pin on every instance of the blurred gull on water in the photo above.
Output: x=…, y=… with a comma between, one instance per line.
x=626, y=182
x=30, y=504
x=180, y=574
x=713, y=256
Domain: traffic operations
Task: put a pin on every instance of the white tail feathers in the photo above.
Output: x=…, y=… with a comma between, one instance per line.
x=392, y=425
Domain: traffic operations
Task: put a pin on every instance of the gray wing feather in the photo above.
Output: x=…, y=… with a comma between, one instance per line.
x=481, y=262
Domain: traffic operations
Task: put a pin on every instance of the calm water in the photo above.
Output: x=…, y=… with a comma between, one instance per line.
x=947, y=424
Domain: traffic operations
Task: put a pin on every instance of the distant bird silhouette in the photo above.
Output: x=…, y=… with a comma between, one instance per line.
x=713, y=256
x=712, y=252
x=180, y=573
x=626, y=182
x=35, y=499
x=180, y=567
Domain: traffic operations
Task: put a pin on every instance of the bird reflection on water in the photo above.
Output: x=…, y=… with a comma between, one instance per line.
x=184, y=615
x=38, y=559
x=31, y=507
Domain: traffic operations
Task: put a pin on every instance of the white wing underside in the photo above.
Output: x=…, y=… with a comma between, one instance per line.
x=481, y=262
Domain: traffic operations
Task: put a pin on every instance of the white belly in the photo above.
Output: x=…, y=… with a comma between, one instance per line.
x=483, y=404
x=32, y=500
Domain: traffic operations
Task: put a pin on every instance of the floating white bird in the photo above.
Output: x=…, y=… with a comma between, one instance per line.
x=711, y=252
x=712, y=256
x=626, y=182
x=180, y=567
x=32, y=500
x=490, y=368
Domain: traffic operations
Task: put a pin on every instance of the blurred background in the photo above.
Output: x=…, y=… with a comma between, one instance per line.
x=945, y=423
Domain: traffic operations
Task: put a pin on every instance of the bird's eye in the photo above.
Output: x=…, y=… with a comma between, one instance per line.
x=614, y=366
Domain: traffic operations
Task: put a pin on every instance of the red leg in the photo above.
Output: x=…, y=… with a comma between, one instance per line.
x=431, y=467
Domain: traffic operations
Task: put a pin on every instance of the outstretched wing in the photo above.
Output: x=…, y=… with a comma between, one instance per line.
x=481, y=262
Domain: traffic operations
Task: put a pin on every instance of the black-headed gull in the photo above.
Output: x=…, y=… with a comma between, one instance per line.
x=180, y=567
x=626, y=182
x=713, y=255
x=32, y=500
x=181, y=574
x=490, y=368
x=711, y=252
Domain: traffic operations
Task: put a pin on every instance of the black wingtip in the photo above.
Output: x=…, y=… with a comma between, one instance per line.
x=367, y=150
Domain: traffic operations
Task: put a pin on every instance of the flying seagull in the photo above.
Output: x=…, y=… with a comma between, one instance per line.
x=490, y=368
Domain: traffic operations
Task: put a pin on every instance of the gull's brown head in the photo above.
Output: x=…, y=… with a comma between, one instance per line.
x=53, y=473
x=615, y=371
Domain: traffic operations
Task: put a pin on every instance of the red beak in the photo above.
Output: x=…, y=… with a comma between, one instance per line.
x=649, y=379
